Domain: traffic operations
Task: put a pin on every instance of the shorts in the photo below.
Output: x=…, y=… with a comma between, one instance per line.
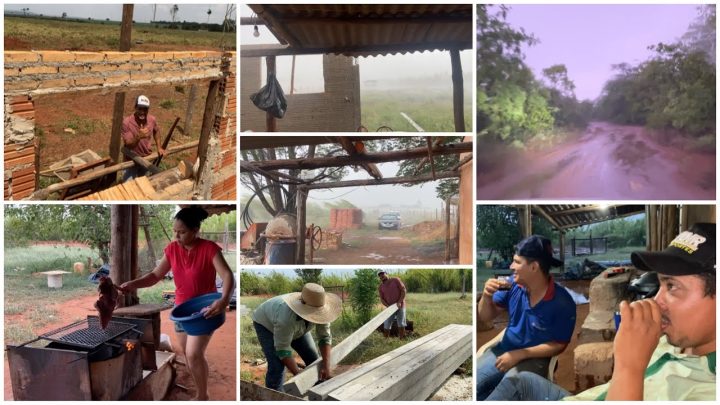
x=399, y=315
x=179, y=328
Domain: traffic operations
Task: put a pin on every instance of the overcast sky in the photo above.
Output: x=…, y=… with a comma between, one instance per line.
x=308, y=68
x=141, y=12
x=588, y=39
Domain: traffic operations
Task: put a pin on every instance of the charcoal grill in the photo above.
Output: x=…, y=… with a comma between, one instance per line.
x=87, y=333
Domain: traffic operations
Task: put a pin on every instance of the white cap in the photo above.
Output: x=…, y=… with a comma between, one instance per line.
x=142, y=101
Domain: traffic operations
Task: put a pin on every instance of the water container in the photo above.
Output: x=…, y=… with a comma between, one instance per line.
x=280, y=251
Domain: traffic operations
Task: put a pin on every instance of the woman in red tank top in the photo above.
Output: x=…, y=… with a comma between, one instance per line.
x=194, y=262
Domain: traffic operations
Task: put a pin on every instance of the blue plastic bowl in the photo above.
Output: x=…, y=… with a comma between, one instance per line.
x=192, y=320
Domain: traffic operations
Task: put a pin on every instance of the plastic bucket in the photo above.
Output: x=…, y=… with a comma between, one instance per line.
x=192, y=320
x=280, y=251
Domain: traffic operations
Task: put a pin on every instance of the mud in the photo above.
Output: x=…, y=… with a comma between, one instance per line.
x=606, y=162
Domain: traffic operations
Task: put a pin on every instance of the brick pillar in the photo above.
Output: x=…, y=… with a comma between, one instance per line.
x=20, y=147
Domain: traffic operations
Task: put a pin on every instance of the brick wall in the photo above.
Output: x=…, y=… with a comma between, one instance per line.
x=43, y=72
x=335, y=110
x=32, y=73
x=346, y=218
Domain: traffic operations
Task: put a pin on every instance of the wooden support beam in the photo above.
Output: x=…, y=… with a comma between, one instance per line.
x=116, y=141
x=461, y=162
x=525, y=220
x=300, y=201
x=457, y=81
x=207, y=125
x=126, y=27
x=120, y=245
x=540, y=210
x=302, y=382
x=250, y=142
x=447, y=230
x=378, y=157
x=438, y=141
x=428, y=139
x=371, y=182
x=270, y=120
x=255, y=52
x=45, y=193
x=253, y=392
x=140, y=161
x=410, y=372
x=132, y=298
x=166, y=141
x=351, y=149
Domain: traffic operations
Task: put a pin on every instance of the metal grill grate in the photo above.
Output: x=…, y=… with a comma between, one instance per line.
x=87, y=333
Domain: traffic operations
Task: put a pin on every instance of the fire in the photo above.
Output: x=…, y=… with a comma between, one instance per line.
x=129, y=345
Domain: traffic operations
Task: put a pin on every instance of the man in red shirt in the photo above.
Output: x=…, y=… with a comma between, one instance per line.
x=136, y=132
x=392, y=291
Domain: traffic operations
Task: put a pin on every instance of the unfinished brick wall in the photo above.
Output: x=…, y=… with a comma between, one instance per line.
x=335, y=110
x=31, y=74
x=346, y=218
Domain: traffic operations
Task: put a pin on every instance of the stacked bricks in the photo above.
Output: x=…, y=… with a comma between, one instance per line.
x=225, y=187
x=346, y=218
x=20, y=147
x=331, y=240
x=43, y=72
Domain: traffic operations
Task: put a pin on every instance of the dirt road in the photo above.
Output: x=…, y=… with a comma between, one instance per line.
x=383, y=247
x=606, y=162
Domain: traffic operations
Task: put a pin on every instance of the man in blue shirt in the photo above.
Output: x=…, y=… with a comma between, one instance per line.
x=541, y=316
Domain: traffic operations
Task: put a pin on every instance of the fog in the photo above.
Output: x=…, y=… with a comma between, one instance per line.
x=141, y=12
x=391, y=71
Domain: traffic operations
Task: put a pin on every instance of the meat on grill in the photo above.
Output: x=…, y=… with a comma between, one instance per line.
x=107, y=301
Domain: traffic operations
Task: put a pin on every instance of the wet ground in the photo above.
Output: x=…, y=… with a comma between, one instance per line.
x=606, y=161
x=221, y=352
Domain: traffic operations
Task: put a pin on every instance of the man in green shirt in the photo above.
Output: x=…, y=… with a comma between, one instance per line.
x=665, y=347
x=283, y=323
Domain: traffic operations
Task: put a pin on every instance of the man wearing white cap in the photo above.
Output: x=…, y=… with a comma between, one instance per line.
x=136, y=132
x=283, y=323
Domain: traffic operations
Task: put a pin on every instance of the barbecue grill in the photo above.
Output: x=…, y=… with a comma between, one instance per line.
x=87, y=333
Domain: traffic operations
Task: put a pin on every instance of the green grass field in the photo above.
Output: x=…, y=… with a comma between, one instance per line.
x=429, y=312
x=429, y=108
x=48, y=34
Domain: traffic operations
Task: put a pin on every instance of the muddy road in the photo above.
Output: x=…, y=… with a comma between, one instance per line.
x=606, y=162
x=381, y=247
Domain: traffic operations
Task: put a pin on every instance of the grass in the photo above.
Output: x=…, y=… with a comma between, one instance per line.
x=82, y=126
x=423, y=310
x=167, y=104
x=49, y=34
x=430, y=109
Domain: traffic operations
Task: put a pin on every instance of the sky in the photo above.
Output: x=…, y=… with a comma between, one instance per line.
x=141, y=12
x=381, y=68
x=588, y=39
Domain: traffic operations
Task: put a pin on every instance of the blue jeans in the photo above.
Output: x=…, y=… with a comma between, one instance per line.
x=527, y=386
x=488, y=377
x=275, y=376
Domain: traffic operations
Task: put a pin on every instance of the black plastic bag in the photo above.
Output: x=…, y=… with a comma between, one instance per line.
x=271, y=98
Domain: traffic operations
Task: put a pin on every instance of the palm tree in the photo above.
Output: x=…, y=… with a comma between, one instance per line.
x=173, y=12
x=208, y=13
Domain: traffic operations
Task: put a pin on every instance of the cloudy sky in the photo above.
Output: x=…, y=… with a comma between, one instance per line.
x=141, y=12
x=588, y=39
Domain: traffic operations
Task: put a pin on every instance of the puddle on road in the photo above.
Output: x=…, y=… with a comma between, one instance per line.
x=374, y=256
x=389, y=237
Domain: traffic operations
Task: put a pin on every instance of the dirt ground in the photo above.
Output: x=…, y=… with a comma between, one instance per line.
x=607, y=161
x=89, y=114
x=221, y=352
x=381, y=247
x=565, y=373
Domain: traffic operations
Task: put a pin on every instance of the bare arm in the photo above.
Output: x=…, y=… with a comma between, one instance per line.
x=291, y=364
x=325, y=352
x=222, y=268
x=149, y=279
x=403, y=291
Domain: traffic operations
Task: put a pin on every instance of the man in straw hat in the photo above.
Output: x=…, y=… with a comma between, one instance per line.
x=664, y=349
x=283, y=323
x=541, y=316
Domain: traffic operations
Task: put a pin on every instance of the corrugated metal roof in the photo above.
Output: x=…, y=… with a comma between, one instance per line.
x=370, y=29
x=569, y=216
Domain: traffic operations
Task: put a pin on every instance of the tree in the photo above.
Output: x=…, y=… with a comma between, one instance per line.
x=208, y=13
x=64, y=14
x=497, y=229
x=173, y=12
x=309, y=275
x=364, y=294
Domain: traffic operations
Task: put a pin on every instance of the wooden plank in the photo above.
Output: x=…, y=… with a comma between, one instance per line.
x=123, y=192
x=250, y=142
x=421, y=391
x=372, y=182
x=302, y=382
x=321, y=391
x=253, y=392
x=145, y=186
x=395, y=379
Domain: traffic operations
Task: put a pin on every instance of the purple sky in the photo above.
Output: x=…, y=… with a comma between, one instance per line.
x=590, y=38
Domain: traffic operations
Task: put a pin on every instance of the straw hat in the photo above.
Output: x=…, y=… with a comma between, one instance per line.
x=314, y=305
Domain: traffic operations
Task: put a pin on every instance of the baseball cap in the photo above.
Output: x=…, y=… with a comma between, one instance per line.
x=691, y=252
x=538, y=247
x=381, y=272
x=142, y=101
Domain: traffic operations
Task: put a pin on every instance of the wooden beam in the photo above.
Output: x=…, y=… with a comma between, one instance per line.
x=249, y=142
x=250, y=391
x=352, y=50
x=300, y=201
x=302, y=382
x=270, y=120
x=438, y=141
x=430, y=147
x=378, y=157
x=461, y=162
x=120, y=245
x=540, y=210
x=350, y=147
x=372, y=182
x=116, y=141
x=458, y=94
x=126, y=27
x=43, y=194
x=166, y=141
x=140, y=161
x=207, y=125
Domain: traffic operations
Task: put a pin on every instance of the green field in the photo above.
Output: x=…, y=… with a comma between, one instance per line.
x=422, y=309
x=22, y=33
x=432, y=109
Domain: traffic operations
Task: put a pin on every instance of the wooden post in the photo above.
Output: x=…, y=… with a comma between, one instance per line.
x=207, y=124
x=148, y=237
x=562, y=249
x=120, y=249
x=300, y=200
x=132, y=299
x=119, y=105
x=126, y=27
x=189, y=110
x=525, y=220
x=270, y=122
x=457, y=80
x=447, y=230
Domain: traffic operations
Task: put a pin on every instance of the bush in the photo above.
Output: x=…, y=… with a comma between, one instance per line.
x=364, y=293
